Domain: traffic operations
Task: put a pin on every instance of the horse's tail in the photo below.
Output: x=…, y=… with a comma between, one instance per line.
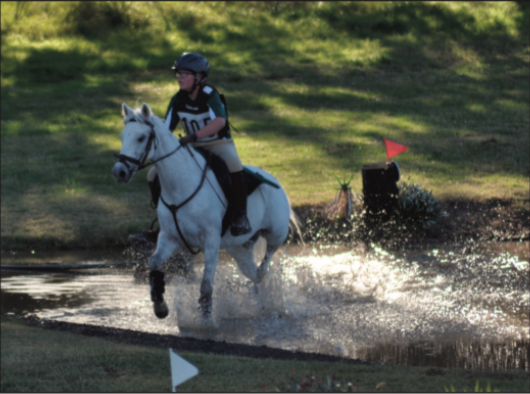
x=294, y=223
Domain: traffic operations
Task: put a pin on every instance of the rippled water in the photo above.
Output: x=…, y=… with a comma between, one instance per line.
x=457, y=306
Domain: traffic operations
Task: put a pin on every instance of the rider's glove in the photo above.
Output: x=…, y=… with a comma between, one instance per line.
x=187, y=139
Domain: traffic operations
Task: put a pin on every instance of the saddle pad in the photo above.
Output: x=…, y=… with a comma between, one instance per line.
x=220, y=169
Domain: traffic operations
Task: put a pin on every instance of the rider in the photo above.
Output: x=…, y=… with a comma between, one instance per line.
x=203, y=115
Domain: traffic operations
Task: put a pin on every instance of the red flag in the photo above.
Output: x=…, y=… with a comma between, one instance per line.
x=393, y=148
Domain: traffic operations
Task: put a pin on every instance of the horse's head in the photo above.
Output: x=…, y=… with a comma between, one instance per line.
x=137, y=142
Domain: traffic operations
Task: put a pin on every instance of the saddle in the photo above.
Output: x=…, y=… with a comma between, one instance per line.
x=220, y=169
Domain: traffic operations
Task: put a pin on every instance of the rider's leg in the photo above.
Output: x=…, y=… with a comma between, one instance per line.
x=154, y=185
x=240, y=224
x=226, y=149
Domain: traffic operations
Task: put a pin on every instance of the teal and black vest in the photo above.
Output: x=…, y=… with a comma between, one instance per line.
x=196, y=114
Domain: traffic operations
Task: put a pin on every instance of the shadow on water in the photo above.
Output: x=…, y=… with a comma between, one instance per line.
x=451, y=306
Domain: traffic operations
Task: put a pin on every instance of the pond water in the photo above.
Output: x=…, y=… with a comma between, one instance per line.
x=461, y=305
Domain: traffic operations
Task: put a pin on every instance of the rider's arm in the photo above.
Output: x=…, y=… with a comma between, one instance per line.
x=211, y=128
x=217, y=124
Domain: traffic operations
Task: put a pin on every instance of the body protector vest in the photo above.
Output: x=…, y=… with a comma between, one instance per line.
x=197, y=114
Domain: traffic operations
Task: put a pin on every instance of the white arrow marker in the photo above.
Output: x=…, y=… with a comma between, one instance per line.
x=181, y=370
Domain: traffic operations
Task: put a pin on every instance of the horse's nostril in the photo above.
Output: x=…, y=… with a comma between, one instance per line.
x=122, y=174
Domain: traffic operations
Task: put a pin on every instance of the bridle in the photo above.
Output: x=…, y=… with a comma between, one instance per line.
x=140, y=165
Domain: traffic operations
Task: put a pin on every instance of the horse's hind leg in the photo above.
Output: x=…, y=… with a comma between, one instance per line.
x=274, y=240
x=264, y=266
x=211, y=256
x=244, y=257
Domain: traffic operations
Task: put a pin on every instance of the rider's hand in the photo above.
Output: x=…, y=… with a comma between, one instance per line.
x=187, y=139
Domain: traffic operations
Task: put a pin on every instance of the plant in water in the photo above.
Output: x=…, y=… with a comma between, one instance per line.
x=478, y=389
x=342, y=205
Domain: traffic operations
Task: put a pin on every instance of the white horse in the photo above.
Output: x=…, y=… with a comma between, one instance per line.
x=192, y=210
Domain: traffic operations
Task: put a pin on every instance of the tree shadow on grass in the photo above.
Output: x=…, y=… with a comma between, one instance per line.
x=424, y=83
x=60, y=193
x=429, y=80
x=419, y=84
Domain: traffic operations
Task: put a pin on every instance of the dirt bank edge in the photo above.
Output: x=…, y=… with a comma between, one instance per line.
x=496, y=220
x=488, y=220
x=178, y=343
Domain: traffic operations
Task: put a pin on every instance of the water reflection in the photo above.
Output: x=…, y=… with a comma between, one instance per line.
x=464, y=306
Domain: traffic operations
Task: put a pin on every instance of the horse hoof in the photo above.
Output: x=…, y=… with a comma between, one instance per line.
x=161, y=309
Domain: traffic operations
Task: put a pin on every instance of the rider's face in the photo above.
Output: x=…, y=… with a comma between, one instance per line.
x=186, y=80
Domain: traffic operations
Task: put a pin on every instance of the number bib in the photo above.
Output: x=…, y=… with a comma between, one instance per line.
x=197, y=114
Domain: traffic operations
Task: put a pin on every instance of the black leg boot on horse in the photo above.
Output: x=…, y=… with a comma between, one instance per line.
x=240, y=224
x=150, y=235
x=156, y=280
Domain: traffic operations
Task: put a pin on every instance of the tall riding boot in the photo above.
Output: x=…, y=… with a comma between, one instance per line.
x=156, y=189
x=240, y=224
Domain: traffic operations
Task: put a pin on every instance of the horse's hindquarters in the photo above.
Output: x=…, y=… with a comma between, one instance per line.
x=278, y=213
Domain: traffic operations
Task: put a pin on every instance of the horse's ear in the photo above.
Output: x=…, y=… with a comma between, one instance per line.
x=126, y=111
x=146, y=111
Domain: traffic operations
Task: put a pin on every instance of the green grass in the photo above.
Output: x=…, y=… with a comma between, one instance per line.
x=40, y=360
x=312, y=87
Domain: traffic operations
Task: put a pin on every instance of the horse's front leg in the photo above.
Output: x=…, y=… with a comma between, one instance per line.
x=164, y=249
x=211, y=256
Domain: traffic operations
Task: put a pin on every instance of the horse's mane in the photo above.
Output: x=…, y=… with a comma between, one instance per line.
x=158, y=122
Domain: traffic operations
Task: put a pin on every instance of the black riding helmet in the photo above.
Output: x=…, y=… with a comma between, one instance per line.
x=195, y=63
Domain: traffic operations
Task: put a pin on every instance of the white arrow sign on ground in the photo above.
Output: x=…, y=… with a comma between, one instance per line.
x=181, y=370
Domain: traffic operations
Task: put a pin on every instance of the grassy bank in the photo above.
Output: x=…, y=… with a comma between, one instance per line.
x=73, y=363
x=312, y=87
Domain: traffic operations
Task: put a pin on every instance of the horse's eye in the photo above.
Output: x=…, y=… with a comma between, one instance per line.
x=141, y=139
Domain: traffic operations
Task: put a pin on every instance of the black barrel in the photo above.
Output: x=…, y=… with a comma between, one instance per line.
x=380, y=190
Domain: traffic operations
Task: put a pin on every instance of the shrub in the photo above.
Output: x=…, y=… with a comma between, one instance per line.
x=90, y=18
x=417, y=209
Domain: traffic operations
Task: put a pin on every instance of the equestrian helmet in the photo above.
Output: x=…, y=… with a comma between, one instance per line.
x=193, y=62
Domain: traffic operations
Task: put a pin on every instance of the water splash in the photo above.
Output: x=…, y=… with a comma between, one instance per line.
x=327, y=300
x=345, y=301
